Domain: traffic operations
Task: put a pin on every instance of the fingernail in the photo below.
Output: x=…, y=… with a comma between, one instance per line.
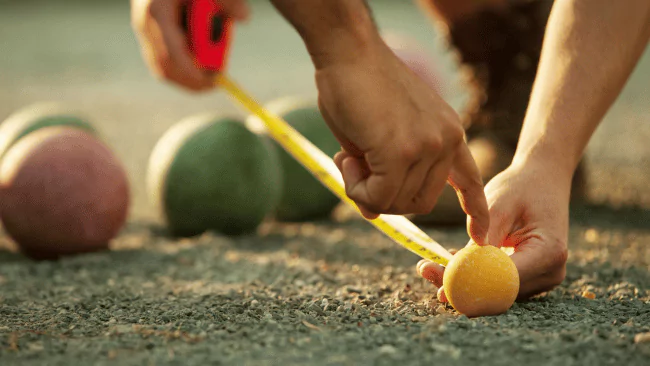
x=432, y=272
x=442, y=297
x=420, y=265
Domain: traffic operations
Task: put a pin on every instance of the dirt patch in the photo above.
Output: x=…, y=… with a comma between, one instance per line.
x=319, y=293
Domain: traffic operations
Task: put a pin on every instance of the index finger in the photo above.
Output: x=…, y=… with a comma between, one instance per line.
x=466, y=180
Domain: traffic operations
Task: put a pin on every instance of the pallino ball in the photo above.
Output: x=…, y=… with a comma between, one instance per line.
x=481, y=281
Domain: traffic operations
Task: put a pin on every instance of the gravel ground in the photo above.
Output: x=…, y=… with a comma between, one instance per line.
x=334, y=292
x=328, y=293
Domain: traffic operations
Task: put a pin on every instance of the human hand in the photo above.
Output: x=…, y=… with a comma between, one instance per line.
x=529, y=211
x=401, y=142
x=163, y=41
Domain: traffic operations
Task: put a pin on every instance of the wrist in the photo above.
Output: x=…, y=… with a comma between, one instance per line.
x=346, y=35
x=550, y=158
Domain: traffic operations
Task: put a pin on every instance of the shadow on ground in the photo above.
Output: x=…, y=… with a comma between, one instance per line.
x=607, y=216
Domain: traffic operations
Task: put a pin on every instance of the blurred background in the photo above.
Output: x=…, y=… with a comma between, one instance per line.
x=85, y=54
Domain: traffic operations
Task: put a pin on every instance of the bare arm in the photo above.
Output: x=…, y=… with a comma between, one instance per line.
x=401, y=141
x=590, y=49
x=333, y=30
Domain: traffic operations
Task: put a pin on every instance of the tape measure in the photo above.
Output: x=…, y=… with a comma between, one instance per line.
x=209, y=35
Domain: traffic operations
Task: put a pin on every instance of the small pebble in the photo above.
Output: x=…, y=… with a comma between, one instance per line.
x=588, y=295
x=387, y=349
x=642, y=338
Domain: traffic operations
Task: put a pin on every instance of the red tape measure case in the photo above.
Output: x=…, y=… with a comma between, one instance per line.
x=209, y=33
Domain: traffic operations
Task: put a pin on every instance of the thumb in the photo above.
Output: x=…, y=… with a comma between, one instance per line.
x=501, y=224
x=466, y=180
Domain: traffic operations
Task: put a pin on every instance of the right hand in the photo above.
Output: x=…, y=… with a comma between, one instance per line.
x=164, y=42
x=401, y=141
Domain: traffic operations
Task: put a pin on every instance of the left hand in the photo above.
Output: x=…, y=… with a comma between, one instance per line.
x=164, y=43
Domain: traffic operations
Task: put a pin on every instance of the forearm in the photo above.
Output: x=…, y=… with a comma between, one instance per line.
x=334, y=31
x=590, y=49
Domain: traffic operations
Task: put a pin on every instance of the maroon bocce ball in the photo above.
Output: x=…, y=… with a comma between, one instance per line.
x=63, y=193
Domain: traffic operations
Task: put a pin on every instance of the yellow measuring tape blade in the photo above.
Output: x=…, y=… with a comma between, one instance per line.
x=399, y=228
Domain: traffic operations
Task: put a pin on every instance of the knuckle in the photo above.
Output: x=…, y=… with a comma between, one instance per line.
x=410, y=152
x=456, y=130
x=457, y=134
x=433, y=144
